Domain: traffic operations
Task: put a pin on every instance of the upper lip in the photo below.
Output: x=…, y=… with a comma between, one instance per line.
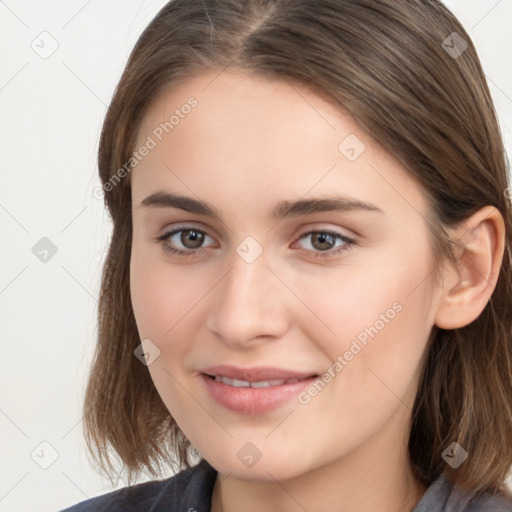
x=255, y=374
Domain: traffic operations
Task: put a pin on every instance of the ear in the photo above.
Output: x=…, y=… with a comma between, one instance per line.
x=468, y=289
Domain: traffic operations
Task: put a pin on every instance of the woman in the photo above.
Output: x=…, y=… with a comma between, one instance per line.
x=306, y=303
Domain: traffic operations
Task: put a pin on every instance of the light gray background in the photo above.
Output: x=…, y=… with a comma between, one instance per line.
x=51, y=114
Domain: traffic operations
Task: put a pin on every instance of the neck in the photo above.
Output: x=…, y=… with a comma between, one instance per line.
x=373, y=477
x=287, y=497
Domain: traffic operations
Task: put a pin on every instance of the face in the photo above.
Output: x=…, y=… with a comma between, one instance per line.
x=278, y=338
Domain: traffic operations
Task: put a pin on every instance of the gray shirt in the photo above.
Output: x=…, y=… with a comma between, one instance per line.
x=191, y=491
x=443, y=497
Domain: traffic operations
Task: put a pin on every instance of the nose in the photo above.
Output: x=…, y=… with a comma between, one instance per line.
x=250, y=303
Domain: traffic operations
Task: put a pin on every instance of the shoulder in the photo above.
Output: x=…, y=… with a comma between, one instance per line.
x=489, y=503
x=134, y=498
x=443, y=496
x=189, y=489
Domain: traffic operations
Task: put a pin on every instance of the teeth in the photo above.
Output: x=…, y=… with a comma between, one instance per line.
x=246, y=384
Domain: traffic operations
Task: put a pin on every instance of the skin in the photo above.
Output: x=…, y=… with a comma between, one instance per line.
x=250, y=143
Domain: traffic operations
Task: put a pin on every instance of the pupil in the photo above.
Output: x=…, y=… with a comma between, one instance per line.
x=194, y=236
x=321, y=237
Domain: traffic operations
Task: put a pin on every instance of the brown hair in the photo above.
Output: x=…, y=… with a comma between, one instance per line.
x=386, y=63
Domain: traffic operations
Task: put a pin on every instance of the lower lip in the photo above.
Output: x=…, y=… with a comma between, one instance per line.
x=254, y=400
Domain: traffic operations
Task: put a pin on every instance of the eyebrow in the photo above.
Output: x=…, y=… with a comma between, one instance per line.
x=162, y=199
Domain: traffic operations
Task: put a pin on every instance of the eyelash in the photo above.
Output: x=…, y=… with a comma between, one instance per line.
x=348, y=243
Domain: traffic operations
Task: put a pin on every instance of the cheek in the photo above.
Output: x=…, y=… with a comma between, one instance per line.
x=161, y=294
x=344, y=302
x=162, y=298
x=169, y=302
x=379, y=315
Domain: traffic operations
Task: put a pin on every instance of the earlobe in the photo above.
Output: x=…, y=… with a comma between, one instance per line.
x=468, y=289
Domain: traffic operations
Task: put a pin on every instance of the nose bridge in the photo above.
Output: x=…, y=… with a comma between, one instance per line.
x=246, y=304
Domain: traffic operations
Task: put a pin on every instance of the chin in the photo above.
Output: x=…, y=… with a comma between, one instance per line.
x=270, y=469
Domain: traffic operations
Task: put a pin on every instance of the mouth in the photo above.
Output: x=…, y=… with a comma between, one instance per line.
x=240, y=383
x=256, y=374
x=254, y=390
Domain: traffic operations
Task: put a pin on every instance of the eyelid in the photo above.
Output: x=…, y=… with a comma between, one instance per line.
x=172, y=229
x=319, y=227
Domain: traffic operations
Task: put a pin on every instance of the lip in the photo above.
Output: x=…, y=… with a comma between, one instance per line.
x=254, y=400
x=255, y=374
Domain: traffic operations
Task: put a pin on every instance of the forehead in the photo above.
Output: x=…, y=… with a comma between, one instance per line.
x=235, y=96
x=249, y=134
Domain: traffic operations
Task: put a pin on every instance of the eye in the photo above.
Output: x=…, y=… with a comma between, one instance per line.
x=191, y=238
x=322, y=242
